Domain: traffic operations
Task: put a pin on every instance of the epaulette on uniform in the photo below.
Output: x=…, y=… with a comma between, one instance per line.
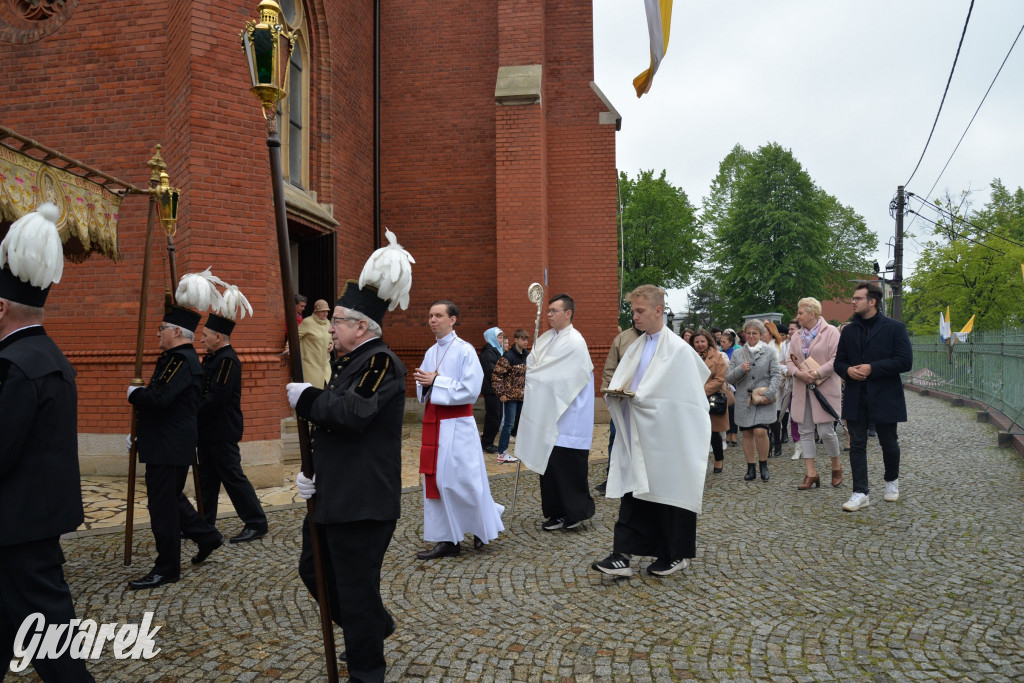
x=224, y=371
x=173, y=365
x=368, y=384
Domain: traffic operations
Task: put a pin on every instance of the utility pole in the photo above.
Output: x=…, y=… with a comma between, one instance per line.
x=897, y=280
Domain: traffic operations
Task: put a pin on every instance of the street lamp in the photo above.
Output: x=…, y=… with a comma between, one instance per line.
x=267, y=44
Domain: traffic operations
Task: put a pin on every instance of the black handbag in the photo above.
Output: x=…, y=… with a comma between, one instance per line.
x=717, y=403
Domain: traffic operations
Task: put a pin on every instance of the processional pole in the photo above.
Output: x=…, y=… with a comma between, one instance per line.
x=535, y=293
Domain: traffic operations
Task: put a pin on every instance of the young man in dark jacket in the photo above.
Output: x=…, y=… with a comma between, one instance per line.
x=873, y=351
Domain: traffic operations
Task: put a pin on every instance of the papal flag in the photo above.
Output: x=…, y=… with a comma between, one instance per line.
x=944, y=333
x=968, y=327
x=659, y=18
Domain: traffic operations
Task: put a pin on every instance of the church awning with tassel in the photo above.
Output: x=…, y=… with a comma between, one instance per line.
x=89, y=200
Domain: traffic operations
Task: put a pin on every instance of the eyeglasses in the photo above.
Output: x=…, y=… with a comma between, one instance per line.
x=859, y=298
x=337, y=321
x=557, y=310
x=164, y=326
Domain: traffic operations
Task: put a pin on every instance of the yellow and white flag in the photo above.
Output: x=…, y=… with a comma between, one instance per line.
x=659, y=18
x=969, y=326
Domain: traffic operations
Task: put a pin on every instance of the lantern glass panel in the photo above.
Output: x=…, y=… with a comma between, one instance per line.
x=263, y=44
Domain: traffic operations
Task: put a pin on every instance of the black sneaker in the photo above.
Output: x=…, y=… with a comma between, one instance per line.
x=615, y=564
x=553, y=524
x=662, y=567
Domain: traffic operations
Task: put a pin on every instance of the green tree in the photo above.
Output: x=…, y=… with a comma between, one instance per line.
x=972, y=265
x=771, y=249
x=660, y=234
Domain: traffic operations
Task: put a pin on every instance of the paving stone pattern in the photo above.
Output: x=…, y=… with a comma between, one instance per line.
x=785, y=586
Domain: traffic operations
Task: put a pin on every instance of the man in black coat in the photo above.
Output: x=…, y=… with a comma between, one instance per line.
x=873, y=351
x=356, y=437
x=40, y=490
x=220, y=430
x=167, y=434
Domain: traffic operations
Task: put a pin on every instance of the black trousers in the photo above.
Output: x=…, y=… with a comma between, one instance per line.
x=655, y=529
x=220, y=462
x=492, y=418
x=887, y=439
x=31, y=580
x=354, y=554
x=564, y=489
x=170, y=514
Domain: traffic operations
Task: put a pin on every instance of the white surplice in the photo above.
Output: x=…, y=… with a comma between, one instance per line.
x=465, y=505
x=662, y=455
x=559, y=397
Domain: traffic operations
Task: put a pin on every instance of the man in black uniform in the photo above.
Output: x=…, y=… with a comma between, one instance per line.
x=356, y=437
x=167, y=436
x=220, y=430
x=40, y=490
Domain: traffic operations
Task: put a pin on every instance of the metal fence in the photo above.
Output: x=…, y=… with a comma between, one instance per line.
x=988, y=367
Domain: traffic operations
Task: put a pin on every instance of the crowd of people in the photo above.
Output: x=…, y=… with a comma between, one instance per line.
x=663, y=425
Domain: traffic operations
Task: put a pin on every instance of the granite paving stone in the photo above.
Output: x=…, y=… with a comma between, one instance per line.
x=785, y=586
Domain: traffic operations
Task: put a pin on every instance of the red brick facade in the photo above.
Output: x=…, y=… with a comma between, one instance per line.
x=487, y=197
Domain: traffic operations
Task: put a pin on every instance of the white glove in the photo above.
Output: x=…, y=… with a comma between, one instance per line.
x=131, y=389
x=306, y=486
x=128, y=442
x=295, y=390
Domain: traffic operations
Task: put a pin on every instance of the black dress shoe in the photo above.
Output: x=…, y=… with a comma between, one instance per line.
x=248, y=535
x=477, y=542
x=207, y=547
x=602, y=487
x=151, y=580
x=490, y=449
x=442, y=549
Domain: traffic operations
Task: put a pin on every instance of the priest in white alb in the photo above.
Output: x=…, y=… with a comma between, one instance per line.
x=557, y=423
x=659, y=460
x=456, y=492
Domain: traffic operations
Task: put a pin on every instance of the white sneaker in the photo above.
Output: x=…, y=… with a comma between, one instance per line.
x=892, y=491
x=798, y=453
x=505, y=457
x=856, y=502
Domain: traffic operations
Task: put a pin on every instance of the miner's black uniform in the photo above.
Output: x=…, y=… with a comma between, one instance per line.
x=356, y=437
x=40, y=491
x=167, y=435
x=220, y=430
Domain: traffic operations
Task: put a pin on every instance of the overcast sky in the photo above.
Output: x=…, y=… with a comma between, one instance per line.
x=850, y=86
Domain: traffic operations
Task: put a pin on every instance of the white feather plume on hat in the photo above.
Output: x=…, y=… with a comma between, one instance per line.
x=32, y=248
x=198, y=291
x=233, y=304
x=389, y=269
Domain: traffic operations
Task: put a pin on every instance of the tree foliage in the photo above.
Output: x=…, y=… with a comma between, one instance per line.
x=972, y=265
x=660, y=233
x=774, y=237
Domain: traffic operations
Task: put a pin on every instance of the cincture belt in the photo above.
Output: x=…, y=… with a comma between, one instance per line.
x=432, y=416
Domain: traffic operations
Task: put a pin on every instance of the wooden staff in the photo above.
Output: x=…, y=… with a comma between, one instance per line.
x=129, y=520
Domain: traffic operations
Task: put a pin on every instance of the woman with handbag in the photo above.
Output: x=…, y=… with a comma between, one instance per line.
x=715, y=389
x=755, y=371
x=811, y=355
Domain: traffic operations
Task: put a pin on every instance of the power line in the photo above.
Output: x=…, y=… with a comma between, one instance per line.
x=956, y=234
x=976, y=111
x=953, y=217
x=944, y=93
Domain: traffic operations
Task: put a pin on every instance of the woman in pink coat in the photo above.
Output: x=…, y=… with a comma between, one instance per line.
x=817, y=340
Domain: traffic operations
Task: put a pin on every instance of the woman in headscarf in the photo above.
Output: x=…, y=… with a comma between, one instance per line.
x=490, y=352
x=755, y=369
x=704, y=344
x=817, y=340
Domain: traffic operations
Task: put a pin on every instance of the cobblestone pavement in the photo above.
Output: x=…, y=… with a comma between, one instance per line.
x=785, y=586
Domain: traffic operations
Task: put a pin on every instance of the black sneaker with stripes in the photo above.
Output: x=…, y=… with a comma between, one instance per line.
x=615, y=564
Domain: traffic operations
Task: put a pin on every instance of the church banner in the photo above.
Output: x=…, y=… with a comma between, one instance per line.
x=88, y=212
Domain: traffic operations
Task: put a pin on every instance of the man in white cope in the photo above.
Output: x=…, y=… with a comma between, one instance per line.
x=557, y=424
x=456, y=493
x=659, y=460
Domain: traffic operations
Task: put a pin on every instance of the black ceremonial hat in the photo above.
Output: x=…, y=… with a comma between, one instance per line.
x=364, y=300
x=220, y=324
x=182, y=317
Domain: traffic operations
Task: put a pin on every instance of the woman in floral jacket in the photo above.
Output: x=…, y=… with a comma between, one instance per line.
x=508, y=381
